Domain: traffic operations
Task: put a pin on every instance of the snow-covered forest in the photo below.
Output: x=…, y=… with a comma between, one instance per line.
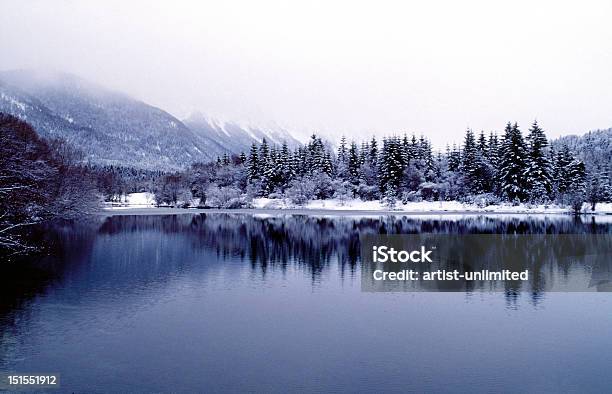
x=485, y=169
x=47, y=179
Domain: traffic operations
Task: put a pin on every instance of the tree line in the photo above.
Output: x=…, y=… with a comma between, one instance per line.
x=48, y=179
x=484, y=169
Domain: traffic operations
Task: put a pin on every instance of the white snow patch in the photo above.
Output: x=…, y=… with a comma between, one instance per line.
x=135, y=200
x=13, y=101
x=422, y=206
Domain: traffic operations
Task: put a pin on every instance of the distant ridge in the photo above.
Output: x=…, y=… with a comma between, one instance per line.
x=112, y=128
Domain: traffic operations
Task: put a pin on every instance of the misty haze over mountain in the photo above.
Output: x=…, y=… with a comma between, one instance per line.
x=335, y=67
x=113, y=128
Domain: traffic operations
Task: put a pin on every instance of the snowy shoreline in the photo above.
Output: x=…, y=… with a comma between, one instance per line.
x=143, y=203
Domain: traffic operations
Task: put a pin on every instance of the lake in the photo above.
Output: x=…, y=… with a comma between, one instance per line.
x=218, y=302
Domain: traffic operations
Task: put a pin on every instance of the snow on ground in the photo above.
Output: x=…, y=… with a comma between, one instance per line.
x=134, y=200
x=421, y=206
x=147, y=200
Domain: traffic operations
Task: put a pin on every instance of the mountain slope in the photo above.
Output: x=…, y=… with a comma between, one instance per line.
x=112, y=128
x=234, y=137
x=593, y=148
x=109, y=127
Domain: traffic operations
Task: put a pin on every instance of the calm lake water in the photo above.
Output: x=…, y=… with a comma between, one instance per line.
x=232, y=303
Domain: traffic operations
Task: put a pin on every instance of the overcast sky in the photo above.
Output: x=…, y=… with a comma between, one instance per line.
x=431, y=67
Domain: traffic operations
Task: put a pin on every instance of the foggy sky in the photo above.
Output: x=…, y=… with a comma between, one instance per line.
x=335, y=67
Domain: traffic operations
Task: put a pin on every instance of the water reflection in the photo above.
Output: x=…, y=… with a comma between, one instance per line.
x=166, y=283
x=150, y=248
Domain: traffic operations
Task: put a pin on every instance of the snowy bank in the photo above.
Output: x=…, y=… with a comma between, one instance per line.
x=147, y=200
x=423, y=206
x=133, y=200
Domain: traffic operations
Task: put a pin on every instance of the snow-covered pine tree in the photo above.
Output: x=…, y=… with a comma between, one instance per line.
x=327, y=164
x=493, y=162
x=421, y=148
x=373, y=154
x=414, y=148
x=440, y=165
x=482, y=145
x=493, y=150
x=323, y=157
x=363, y=153
x=287, y=168
x=576, y=193
x=577, y=175
x=538, y=170
x=353, y=164
x=405, y=150
x=598, y=187
x=342, y=151
x=429, y=168
x=561, y=170
x=264, y=153
x=226, y=159
x=512, y=164
x=268, y=177
x=316, y=155
x=471, y=165
x=300, y=161
x=390, y=167
x=454, y=159
x=273, y=172
x=253, y=170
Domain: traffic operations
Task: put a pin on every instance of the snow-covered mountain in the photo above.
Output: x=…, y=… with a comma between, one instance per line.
x=113, y=128
x=236, y=137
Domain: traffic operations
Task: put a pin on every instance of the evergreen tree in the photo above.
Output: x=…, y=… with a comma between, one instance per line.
x=454, y=159
x=287, y=165
x=363, y=153
x=429, y=165
x=406, y=150
x=471, y=164
x=482, y=144
x=561, y=170
x=493, y=151
x=272, y=173
x=538, y=170
x=316, y=155
x=327, y=165
x=353, y=164
x=414, y=148
x=577, y=175
x=264, y=153
x=226, y=159
x=599, y=189
x=493, y=162
x=440, y=165
x=421, y=148
x=300, y=161
x=512, y=164
x=373, y=155
x=390, y=166
x=342, y=150
x=253, y=170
